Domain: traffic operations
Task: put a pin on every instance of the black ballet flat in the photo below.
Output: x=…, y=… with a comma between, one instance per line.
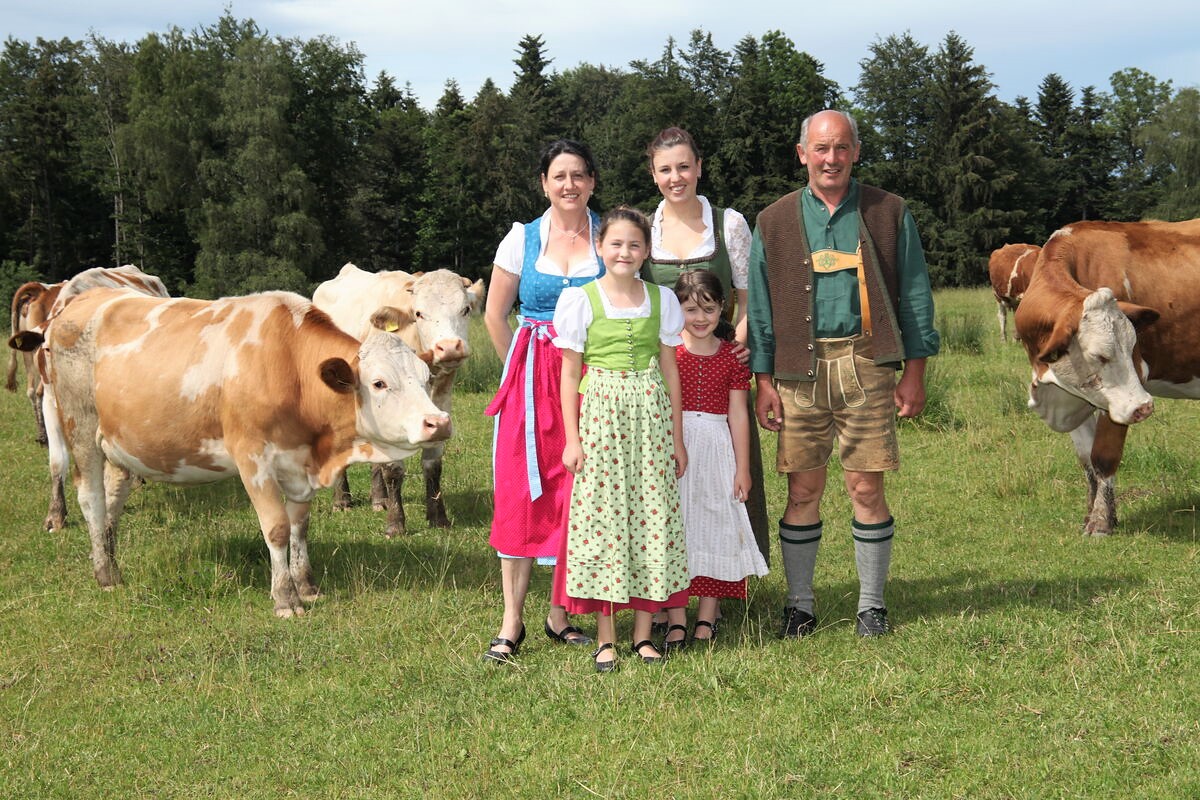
x=712, y=636
x=604, y=666
x=499, y=656
x=564, y=635
x=678, y=645
x=637, y=646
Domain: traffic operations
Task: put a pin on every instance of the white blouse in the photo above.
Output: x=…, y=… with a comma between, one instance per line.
x=510, y=255
x=573, y=315
x=736, y=233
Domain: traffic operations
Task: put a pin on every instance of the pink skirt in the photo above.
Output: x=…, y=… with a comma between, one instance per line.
x=522, y=526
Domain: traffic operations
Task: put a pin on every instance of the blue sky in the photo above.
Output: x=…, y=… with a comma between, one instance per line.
x=427, y=42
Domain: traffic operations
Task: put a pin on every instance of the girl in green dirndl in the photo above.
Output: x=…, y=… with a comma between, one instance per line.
x=624, y=546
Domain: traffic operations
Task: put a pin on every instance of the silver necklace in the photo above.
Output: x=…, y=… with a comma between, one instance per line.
x=572, y=234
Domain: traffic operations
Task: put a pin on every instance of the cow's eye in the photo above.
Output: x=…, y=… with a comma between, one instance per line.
x=420, y=315
x=380, y=385
x=466, y=311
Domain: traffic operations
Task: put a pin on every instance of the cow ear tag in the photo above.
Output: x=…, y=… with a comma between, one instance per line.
x=391, y=327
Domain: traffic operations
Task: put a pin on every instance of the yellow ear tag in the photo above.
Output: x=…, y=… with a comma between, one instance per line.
x=391, y=327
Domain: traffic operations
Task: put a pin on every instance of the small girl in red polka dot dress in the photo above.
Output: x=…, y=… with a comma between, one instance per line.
x=716, y=432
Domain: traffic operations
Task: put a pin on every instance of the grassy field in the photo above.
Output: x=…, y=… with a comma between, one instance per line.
x=1028, y=662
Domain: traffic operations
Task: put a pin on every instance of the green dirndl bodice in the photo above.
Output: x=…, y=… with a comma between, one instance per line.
x=625, y=532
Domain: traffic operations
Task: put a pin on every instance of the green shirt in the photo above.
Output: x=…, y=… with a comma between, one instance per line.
x=836, y=308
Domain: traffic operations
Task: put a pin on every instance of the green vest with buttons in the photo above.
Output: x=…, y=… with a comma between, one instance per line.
x=621, y=344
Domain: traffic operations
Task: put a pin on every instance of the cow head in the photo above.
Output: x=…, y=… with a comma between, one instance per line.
x=442, y=303
x=1090, y=362
x=394, y=413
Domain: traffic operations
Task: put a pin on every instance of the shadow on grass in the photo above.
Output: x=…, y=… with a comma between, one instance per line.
x=969, y=592
x=1173, y=517
x=425, y=560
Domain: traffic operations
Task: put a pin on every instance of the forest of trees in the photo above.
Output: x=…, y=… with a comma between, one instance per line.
x=226, y=160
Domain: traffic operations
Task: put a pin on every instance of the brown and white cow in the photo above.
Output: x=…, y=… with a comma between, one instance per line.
x=1009, y=269
x=435, y=308
x=124, y=277
x=1109, y=319
x=191, y=391
x=31, y=306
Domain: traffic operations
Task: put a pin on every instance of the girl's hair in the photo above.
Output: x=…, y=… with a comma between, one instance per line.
x=668, y=138
x=625, y=214
x=704, y=286
x=701, y=285
x=570, y=147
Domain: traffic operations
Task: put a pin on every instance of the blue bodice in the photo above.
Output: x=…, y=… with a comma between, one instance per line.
x=539, y=291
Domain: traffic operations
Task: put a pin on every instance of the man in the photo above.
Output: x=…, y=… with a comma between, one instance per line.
x=839, y=301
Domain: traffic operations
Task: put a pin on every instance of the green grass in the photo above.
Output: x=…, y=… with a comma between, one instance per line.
x=1028, y=662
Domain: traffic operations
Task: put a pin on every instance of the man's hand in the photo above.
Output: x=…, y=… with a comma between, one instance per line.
x=768, y=408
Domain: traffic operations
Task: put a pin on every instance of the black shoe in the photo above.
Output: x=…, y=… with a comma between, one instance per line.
x=712, y=632
x=797, y=623
x=636, y=648
x=604, y=666
x=499, y=656
x=564, y=635
x=873, y=622
x=675, y=646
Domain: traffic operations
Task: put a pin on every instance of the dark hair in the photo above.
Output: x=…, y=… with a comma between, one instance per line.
x=624, y=214
x=570, y=147
x=700, y=284
x=668, y=138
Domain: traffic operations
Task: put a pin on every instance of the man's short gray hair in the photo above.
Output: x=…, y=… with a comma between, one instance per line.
x=849, y=119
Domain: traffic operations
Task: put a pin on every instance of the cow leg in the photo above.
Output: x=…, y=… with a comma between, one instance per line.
x=381, y=488
x=1107, y=449
x=298, y=563
x=392, y=478
x=1099, y=443
x=35, y=399
x=435, y=507
x=56, y=516
x=117, y=485
x=341, y=491
x=90, y=483
x=1002, y=314
x=276, y=527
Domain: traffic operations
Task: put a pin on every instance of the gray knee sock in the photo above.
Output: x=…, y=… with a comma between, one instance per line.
x=873, y=555
x=798, y=544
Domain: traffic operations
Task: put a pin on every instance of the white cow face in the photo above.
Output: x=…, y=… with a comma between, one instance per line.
x=442, y=305
x=395, y=413
x=1096, y=366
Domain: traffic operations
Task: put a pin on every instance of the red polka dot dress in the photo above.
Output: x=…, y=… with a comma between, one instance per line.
x=720, y=543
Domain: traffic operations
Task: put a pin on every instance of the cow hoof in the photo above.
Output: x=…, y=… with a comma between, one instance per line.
x=287, y=612
x=108, y=578
x=310, y=595
x=393, y=533
x=54, y=524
